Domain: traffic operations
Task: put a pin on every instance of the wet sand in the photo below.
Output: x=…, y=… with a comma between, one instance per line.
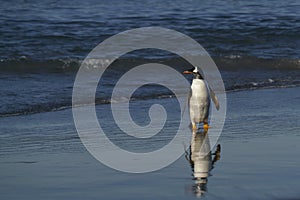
x=41, y=157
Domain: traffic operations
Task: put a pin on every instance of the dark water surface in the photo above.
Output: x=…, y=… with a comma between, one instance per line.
x=255, y=44
x=45, y=30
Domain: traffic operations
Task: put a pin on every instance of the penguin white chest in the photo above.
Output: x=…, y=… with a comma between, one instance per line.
x=199, y=101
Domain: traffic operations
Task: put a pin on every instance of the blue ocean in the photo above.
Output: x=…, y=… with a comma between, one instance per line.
x=255, y=44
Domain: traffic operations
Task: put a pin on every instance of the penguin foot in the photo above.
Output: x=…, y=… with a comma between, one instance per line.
x=206, y=127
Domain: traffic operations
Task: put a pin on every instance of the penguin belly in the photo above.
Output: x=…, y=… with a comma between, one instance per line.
x=199, y=101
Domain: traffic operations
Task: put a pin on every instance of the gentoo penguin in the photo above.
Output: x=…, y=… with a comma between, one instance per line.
x=199, y=99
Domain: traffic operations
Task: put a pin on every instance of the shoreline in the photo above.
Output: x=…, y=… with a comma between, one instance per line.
x=142, y=99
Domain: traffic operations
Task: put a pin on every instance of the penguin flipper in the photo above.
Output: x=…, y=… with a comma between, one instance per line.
x=186, y=103
x=214, y=98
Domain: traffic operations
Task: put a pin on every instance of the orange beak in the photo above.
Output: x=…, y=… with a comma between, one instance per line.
x=187, y=72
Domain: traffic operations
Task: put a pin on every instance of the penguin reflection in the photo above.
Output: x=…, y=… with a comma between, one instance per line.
x=201, y=161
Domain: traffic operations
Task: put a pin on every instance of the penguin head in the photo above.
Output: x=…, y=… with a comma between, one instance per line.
x=195, y=71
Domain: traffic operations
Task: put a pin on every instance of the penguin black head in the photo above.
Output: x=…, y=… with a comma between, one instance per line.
x=195, y=72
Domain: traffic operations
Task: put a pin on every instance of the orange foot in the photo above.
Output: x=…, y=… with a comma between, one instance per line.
x=206, y=127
